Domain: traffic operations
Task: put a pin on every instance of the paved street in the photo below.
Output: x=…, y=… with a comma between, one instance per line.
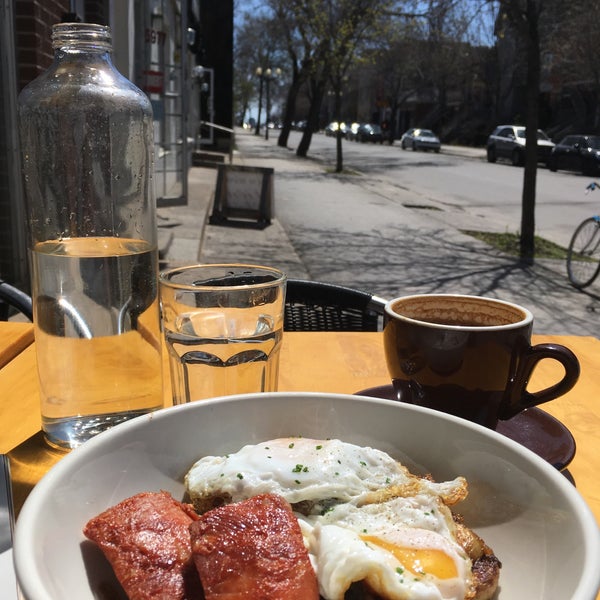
x=460, y=188
x=359, y=230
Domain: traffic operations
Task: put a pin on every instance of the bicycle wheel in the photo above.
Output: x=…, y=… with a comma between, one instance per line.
x=583, y=255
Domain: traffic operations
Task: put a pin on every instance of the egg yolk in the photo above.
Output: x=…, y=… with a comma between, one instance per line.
x=419, y=560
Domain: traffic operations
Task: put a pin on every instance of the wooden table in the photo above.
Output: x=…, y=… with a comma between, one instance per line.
x=326, y=362
x=14, y=337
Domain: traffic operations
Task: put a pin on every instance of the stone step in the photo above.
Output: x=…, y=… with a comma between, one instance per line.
x=206, y=158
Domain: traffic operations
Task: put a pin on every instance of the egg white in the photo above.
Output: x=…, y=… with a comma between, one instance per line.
x=351, y=543
x=299, y=469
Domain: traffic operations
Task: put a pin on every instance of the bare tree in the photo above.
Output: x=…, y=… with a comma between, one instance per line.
x=322, y=38
x=430, y=51
x=258, y=44
x=523, y=16
x=283, y=19
x=246, y=57
x=356, y=23
x=572, y=56
x=399, y=67
x=526, y=18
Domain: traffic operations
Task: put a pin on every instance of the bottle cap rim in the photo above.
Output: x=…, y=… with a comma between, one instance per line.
x=81, y=34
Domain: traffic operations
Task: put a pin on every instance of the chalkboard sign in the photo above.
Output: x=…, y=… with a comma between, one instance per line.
x=243, y=193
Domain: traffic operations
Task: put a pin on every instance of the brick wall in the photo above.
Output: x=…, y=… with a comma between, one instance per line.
x=33, y=20
x=33, y=28
x=33, y=52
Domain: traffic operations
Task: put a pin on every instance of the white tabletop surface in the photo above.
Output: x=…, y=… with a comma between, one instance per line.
x=7, y=576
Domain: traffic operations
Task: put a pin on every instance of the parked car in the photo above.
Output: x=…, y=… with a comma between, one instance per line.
x=577, y=153
x=420, y=139
x=332, y=129
x=369, y=132
x=508, y=141
x=352, y=131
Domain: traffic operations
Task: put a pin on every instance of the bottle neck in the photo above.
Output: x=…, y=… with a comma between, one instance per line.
x=86, y=37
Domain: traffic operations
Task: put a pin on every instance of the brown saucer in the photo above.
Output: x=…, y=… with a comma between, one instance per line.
x=533, y=428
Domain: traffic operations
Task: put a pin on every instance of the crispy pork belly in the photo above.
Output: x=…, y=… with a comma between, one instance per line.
x=253, y=549
x=147, y=541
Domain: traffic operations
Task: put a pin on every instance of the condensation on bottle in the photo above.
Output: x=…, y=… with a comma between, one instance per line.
x=87, y=152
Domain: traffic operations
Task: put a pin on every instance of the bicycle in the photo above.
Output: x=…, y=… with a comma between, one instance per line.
x=583, y=254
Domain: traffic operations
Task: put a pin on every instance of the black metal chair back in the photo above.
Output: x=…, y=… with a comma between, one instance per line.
x=11, y=296
x=318, y=306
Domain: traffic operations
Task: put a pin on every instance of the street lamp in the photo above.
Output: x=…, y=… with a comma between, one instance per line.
x=267, y=76
x=330, y=106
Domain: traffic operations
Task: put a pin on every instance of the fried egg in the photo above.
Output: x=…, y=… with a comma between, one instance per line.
x=363, y=515
x=402, y=548
x=317, y=473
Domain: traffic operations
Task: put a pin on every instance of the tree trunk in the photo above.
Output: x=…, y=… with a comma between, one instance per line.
x=312, y=123
x=260, y=95
x=339, y=162
x=339, y=155
x=290, y=111
x=393, y=124
x=527, y=241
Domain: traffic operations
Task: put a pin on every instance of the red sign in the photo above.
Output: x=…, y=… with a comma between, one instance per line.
x=154, y=82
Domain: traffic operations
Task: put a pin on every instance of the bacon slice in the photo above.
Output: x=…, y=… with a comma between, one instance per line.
x=253, y=549
x=147, y=541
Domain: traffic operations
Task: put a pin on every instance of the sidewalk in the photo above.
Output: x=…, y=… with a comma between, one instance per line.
x=434, y=256
x=195, y=239
x=185, y=234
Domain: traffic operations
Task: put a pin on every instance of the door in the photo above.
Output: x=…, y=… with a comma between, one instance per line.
x=162, y=72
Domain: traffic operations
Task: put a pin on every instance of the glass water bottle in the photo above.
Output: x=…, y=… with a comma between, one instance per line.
x=87, y=148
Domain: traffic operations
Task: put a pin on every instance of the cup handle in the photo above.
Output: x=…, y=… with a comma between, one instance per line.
x=519, y=398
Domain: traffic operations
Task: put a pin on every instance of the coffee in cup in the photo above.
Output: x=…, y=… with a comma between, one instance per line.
x=469, y=356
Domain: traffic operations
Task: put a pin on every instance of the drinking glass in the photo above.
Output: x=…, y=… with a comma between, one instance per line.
x=223, y=327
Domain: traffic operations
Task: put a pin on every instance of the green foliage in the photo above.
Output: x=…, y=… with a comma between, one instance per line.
x=509, y=243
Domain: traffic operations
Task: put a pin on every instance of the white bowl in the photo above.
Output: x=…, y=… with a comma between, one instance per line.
x=530, y=514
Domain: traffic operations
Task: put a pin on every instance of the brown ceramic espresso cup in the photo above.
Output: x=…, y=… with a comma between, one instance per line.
x=468, y=356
